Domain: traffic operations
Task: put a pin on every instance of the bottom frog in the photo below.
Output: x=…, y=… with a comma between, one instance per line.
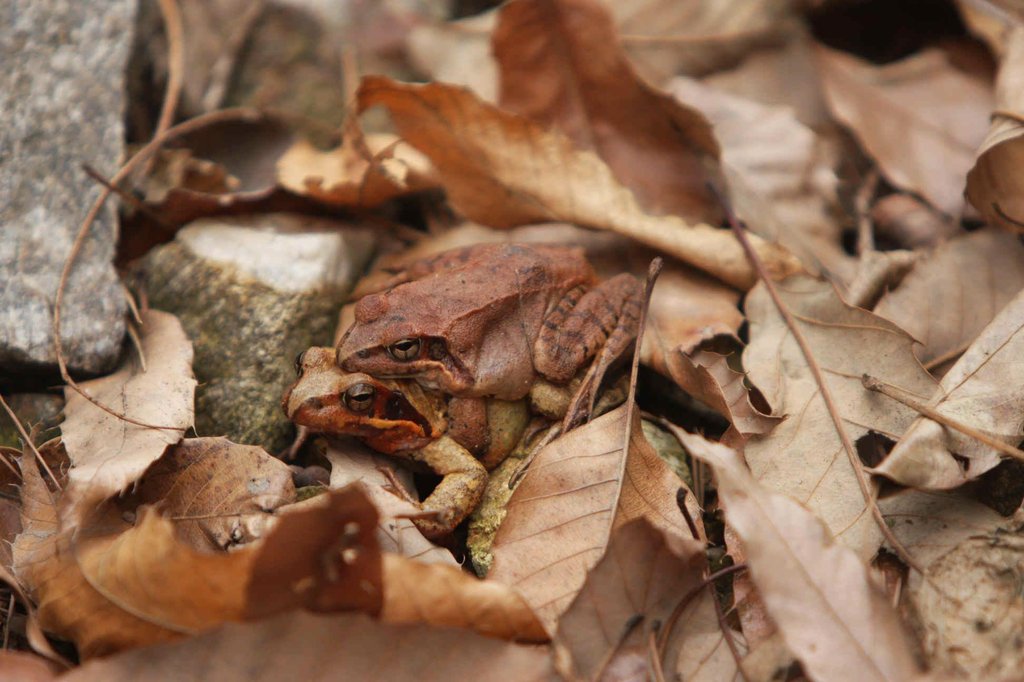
x=399, y=418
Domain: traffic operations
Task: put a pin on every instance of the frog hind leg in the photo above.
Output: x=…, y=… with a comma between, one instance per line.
x=600, y=324
x=463, y=480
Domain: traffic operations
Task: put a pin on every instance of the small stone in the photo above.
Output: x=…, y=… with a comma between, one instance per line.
x=253, y=292
x=62, y=105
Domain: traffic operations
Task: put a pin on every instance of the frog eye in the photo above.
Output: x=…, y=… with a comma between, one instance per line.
x=298, y=362
x=359, y=398
x=404, y=349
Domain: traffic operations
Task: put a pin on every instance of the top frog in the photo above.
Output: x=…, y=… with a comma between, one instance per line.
x=489, y=320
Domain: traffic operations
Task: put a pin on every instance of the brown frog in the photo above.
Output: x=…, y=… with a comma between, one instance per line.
x=401, y=419
x=491, y=320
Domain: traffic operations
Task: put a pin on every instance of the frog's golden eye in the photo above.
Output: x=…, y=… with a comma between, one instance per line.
x=404, y=349
x=298, y=362
x=359, y=398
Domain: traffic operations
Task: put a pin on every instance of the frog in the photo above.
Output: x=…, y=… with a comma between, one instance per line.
x=402, y=419
x=493, y=320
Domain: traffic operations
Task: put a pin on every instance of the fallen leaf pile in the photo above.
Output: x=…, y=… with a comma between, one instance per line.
x=815, y=474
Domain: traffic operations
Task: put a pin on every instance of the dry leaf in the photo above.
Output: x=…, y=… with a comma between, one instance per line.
x=994, y=186
x=920, y=119
x=363, y=172
x=353, y=462
x=109, y=586
x=952, y=293
x=26, y=667
x=308, y=647
x=972, y=628
x=628, y=594
x=579, y=489
x=662, y=150
x=216, y=492
x=502, y=170
x=832, y=616
x=705, y=374
x=781, y=179
x=108, y=453
x=804, y=457
x=984, y=389
x=662, y=37
x=910, y=223
x=441, y=595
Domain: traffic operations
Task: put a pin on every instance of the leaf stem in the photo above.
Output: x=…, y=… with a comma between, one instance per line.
x=874, y=384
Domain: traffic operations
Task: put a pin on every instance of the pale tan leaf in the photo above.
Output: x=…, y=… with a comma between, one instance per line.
x=966, y=611
x=984, y=389
x=458, y=52
x=780, y=174
x=25, y=667
x=994, y=184
x=804, y=457
x=656, y=146
x=701, y=652
x=502, y=170
x=578, y=490
x=920, y=119
x=415, y=592
x=308, y=647
x=642, y=576
x=108, y=453
x=216, y=492
x=820, y=594
x=365, y=171
x=353, y=462
x=952, y=293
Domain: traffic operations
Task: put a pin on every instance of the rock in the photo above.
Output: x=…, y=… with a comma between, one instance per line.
x=252, y=293
x=62, y=104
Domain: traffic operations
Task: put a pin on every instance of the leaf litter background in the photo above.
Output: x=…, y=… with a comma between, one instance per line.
x=873, y=151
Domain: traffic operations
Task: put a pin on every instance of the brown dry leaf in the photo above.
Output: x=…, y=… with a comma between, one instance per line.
x=972, y=629
x=705, y=374
x=921, y=119
x=780, y=175
x=803, y=457
x=579, y=489
x=994, y=186
x=110, y=586
x=641, y=578
x=502, y=170
x=353, y=462
x=108, y=453
x=305, y=646
x=364, y=172
x=661, y=149
x=216, y=492
x=10, y=508
x=662, y=38
x=820, y=594
x=953, y=292
x=984, y=389
x=415, y=592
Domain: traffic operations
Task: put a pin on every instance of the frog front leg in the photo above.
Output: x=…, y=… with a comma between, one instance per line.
x=463, y=479
x=599, y=324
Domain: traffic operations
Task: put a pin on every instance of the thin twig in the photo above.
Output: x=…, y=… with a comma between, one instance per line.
x=826, y=393
x=862, y=206
x=125, y=195
x=677, y=612
x=184, y=128
x=627, y=630
x=29, y=443
x=175, y=64
x=7, y=621
x=873, y=384
x=726, y=631
x=654, y=661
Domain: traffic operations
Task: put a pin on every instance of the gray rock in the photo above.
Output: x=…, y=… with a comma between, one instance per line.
x=61, y=103
x=252, y=293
